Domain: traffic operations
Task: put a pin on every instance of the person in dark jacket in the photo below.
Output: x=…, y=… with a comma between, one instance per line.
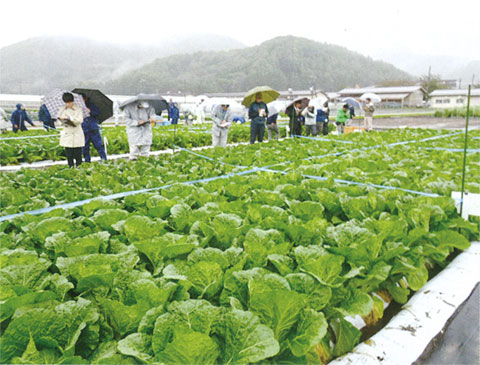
x=45, y=117
x=295, y=123
x=170, y=106
x=258, y=113
x=174, y=113
x=352, y=112
x=18, y=119
x=272, y=126
x=322, y=119
x=91, y=130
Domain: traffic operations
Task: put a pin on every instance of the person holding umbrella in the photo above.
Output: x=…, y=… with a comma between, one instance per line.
x=18, y=119
x=222, y=120
x=342, y=116
x=92, y=131
x=257, y=112
x=45, y=117
x=71, y=136
x=294, y=114
x=138, y=117
x=255, y=100
x=368, y=108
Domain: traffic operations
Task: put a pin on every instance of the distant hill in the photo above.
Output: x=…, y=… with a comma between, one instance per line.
x=446, y=66
x=466, y=72
x=39, y=64
x=282, y=62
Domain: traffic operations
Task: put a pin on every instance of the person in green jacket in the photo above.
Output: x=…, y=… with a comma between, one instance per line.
x=342, y=116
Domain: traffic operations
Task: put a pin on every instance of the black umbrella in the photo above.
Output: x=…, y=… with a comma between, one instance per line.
x=101, y=101
x=304, y=103
x=155, y=100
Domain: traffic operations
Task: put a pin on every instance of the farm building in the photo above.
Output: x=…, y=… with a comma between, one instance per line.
x=454, y=98
x=404, y=96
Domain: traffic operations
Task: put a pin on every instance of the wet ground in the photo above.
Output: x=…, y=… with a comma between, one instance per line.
x=459, y=342
x=424, y=122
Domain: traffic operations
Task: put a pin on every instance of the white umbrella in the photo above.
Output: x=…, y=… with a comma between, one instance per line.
x=373, y=97
x=276, y=106
x=199, y=98
x=318, y=102
x=234, y=106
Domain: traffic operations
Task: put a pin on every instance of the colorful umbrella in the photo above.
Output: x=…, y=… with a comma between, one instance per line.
x=53, y=101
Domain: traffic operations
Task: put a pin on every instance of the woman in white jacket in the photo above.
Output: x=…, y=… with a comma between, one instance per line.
x=71, y=136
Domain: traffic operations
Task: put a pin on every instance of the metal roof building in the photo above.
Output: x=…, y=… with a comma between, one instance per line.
x=454, y=98
x=410, y=96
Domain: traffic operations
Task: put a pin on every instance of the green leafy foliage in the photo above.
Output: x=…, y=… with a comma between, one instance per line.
x=256, y=268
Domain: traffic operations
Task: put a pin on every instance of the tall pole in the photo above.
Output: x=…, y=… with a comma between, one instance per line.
x=465, y=148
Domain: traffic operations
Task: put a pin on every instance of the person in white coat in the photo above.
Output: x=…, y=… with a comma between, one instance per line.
x=4, y=121
x=138, y=117
x=368, y=108
x=222, y=120
x=310, y=120
x=71, y=136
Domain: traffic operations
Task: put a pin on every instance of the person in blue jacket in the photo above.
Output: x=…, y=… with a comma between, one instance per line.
x=91, y=130
x=174, y=113
x=322, y=119
x=45, y=117
x=18, y=119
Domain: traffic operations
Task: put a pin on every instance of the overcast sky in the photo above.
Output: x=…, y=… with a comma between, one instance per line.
x=420, y=26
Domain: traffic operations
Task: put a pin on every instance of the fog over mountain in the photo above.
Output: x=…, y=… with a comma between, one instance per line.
x=39, y=64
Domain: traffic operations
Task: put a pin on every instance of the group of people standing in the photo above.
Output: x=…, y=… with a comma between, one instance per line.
x=79, y=132
x=347, y=113
x=314, y=119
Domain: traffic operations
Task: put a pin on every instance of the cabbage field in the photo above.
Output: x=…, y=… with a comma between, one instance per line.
x=257, y=253
x=45, y=146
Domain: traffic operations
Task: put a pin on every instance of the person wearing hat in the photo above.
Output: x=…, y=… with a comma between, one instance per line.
x=342, y=116
x=138, y=117
x=368, y=108
x=18, y=119
x=71, y=136
x=258, y=113
x=222, y=120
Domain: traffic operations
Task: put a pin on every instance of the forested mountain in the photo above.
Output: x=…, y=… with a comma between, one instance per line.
x=282, y=62
x=39, y=64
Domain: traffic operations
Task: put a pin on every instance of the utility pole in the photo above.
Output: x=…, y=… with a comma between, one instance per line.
x=429, y=79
